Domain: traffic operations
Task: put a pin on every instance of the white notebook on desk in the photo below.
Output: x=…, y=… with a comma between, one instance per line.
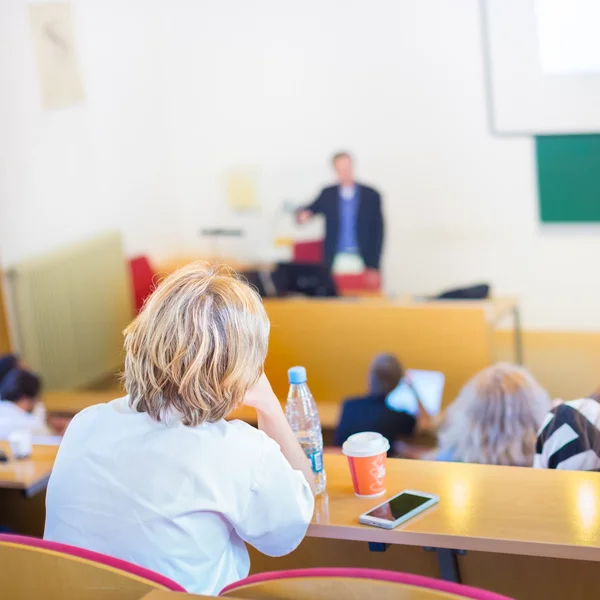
x=429, y=386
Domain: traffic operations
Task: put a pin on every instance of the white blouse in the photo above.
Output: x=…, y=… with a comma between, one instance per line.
x=13, y=418
x=178, y=500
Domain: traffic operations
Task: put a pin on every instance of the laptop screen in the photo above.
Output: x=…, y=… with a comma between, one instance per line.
x=429, y=385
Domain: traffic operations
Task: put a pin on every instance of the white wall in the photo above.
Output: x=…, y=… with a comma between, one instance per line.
x=178, y=91
x=544, y=62
x=104, y=164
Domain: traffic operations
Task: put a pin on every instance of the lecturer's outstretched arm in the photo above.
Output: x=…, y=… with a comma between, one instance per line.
x=306, y=214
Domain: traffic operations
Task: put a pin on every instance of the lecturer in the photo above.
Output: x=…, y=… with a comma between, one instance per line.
x=353, y=223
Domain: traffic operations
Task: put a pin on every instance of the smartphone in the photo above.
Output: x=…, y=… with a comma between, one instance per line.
x=398, y=509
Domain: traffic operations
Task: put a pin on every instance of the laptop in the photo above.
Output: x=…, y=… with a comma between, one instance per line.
x=304, y=279
x=428, y=385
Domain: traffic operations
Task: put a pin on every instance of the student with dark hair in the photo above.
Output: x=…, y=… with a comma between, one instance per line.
x=8, y=362
x=19, y=396
x=370, y=412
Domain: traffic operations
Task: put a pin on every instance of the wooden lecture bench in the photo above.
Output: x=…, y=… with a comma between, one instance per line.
x=73, y=401
x=481, y=508
x=22, y=489
x=336, y=340
x=540, y=527
x=529, y=534
x=31, y=475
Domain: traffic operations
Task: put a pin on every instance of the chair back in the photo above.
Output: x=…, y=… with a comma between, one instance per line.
x=357, y=285
x=350, y=584
x=34, y=568
x=352, y=285
x=308, y=252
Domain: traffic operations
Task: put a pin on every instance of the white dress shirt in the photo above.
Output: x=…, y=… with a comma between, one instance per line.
x=178, y=500
x=347, y=191
x=13, y=418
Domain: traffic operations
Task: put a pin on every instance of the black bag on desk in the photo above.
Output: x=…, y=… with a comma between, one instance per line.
x=480, y=291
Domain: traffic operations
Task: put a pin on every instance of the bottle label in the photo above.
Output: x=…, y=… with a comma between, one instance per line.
x=316, y=460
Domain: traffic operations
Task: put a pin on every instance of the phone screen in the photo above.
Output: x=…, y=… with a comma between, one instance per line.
x=398, y=506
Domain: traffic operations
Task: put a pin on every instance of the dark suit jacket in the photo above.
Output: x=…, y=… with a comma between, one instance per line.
x=372, y=414
x=369, y=223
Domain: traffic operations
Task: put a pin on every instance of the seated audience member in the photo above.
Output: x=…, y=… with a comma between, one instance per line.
x=495, y=418
x=19, y=399
x=158, y=477
x=8, y=362
x=569, y=438
x=370, y=412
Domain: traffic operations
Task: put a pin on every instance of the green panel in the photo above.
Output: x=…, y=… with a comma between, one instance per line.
x=568, y=169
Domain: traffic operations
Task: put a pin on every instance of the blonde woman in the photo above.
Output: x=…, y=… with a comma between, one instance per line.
x=495, y=418
x=159, y=478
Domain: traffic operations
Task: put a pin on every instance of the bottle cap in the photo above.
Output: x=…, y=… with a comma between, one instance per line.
x=297, y=375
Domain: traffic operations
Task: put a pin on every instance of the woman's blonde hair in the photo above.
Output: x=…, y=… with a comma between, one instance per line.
x=495, y=418
x=197, y=346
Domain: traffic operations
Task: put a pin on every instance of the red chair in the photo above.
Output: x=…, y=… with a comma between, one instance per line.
x=354, y=284
x=143, y=279
x=35, y=568
x=344, y=583
x=308, y=252
x=312, y=252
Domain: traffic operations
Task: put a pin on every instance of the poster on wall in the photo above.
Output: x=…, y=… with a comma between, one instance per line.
x=54, y=41
x=242, y=188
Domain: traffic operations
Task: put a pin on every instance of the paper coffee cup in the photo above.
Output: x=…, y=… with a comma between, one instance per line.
x=366, y=453
x=20, y=443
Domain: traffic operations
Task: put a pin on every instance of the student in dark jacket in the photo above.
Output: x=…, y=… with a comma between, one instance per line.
x=370, y=412
x=353, y=223
x=8, y=362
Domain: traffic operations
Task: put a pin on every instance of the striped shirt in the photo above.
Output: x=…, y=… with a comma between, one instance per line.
x=569, y=438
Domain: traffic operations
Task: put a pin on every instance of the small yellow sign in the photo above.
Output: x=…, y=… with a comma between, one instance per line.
x=242, y=189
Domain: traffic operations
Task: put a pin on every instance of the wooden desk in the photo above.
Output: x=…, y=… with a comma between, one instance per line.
x=30, y=475
x=482, y=508
x=542, y=527
x=329, y=413
x=73, y=401
x=336, y=340
x=507, y=510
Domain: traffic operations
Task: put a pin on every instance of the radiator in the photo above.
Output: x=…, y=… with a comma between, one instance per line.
x=71, y=307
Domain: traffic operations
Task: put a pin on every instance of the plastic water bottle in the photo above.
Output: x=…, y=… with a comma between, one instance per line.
x=303, y=417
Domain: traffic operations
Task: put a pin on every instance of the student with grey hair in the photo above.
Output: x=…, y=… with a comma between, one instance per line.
x=495, y=418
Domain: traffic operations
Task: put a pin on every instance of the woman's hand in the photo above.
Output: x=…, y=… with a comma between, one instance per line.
x=261, y=396
x=272, y=421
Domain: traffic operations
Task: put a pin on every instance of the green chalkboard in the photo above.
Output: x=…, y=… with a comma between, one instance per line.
x=568, y=170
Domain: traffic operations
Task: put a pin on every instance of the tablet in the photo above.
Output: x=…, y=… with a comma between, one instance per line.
x=429, y=385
